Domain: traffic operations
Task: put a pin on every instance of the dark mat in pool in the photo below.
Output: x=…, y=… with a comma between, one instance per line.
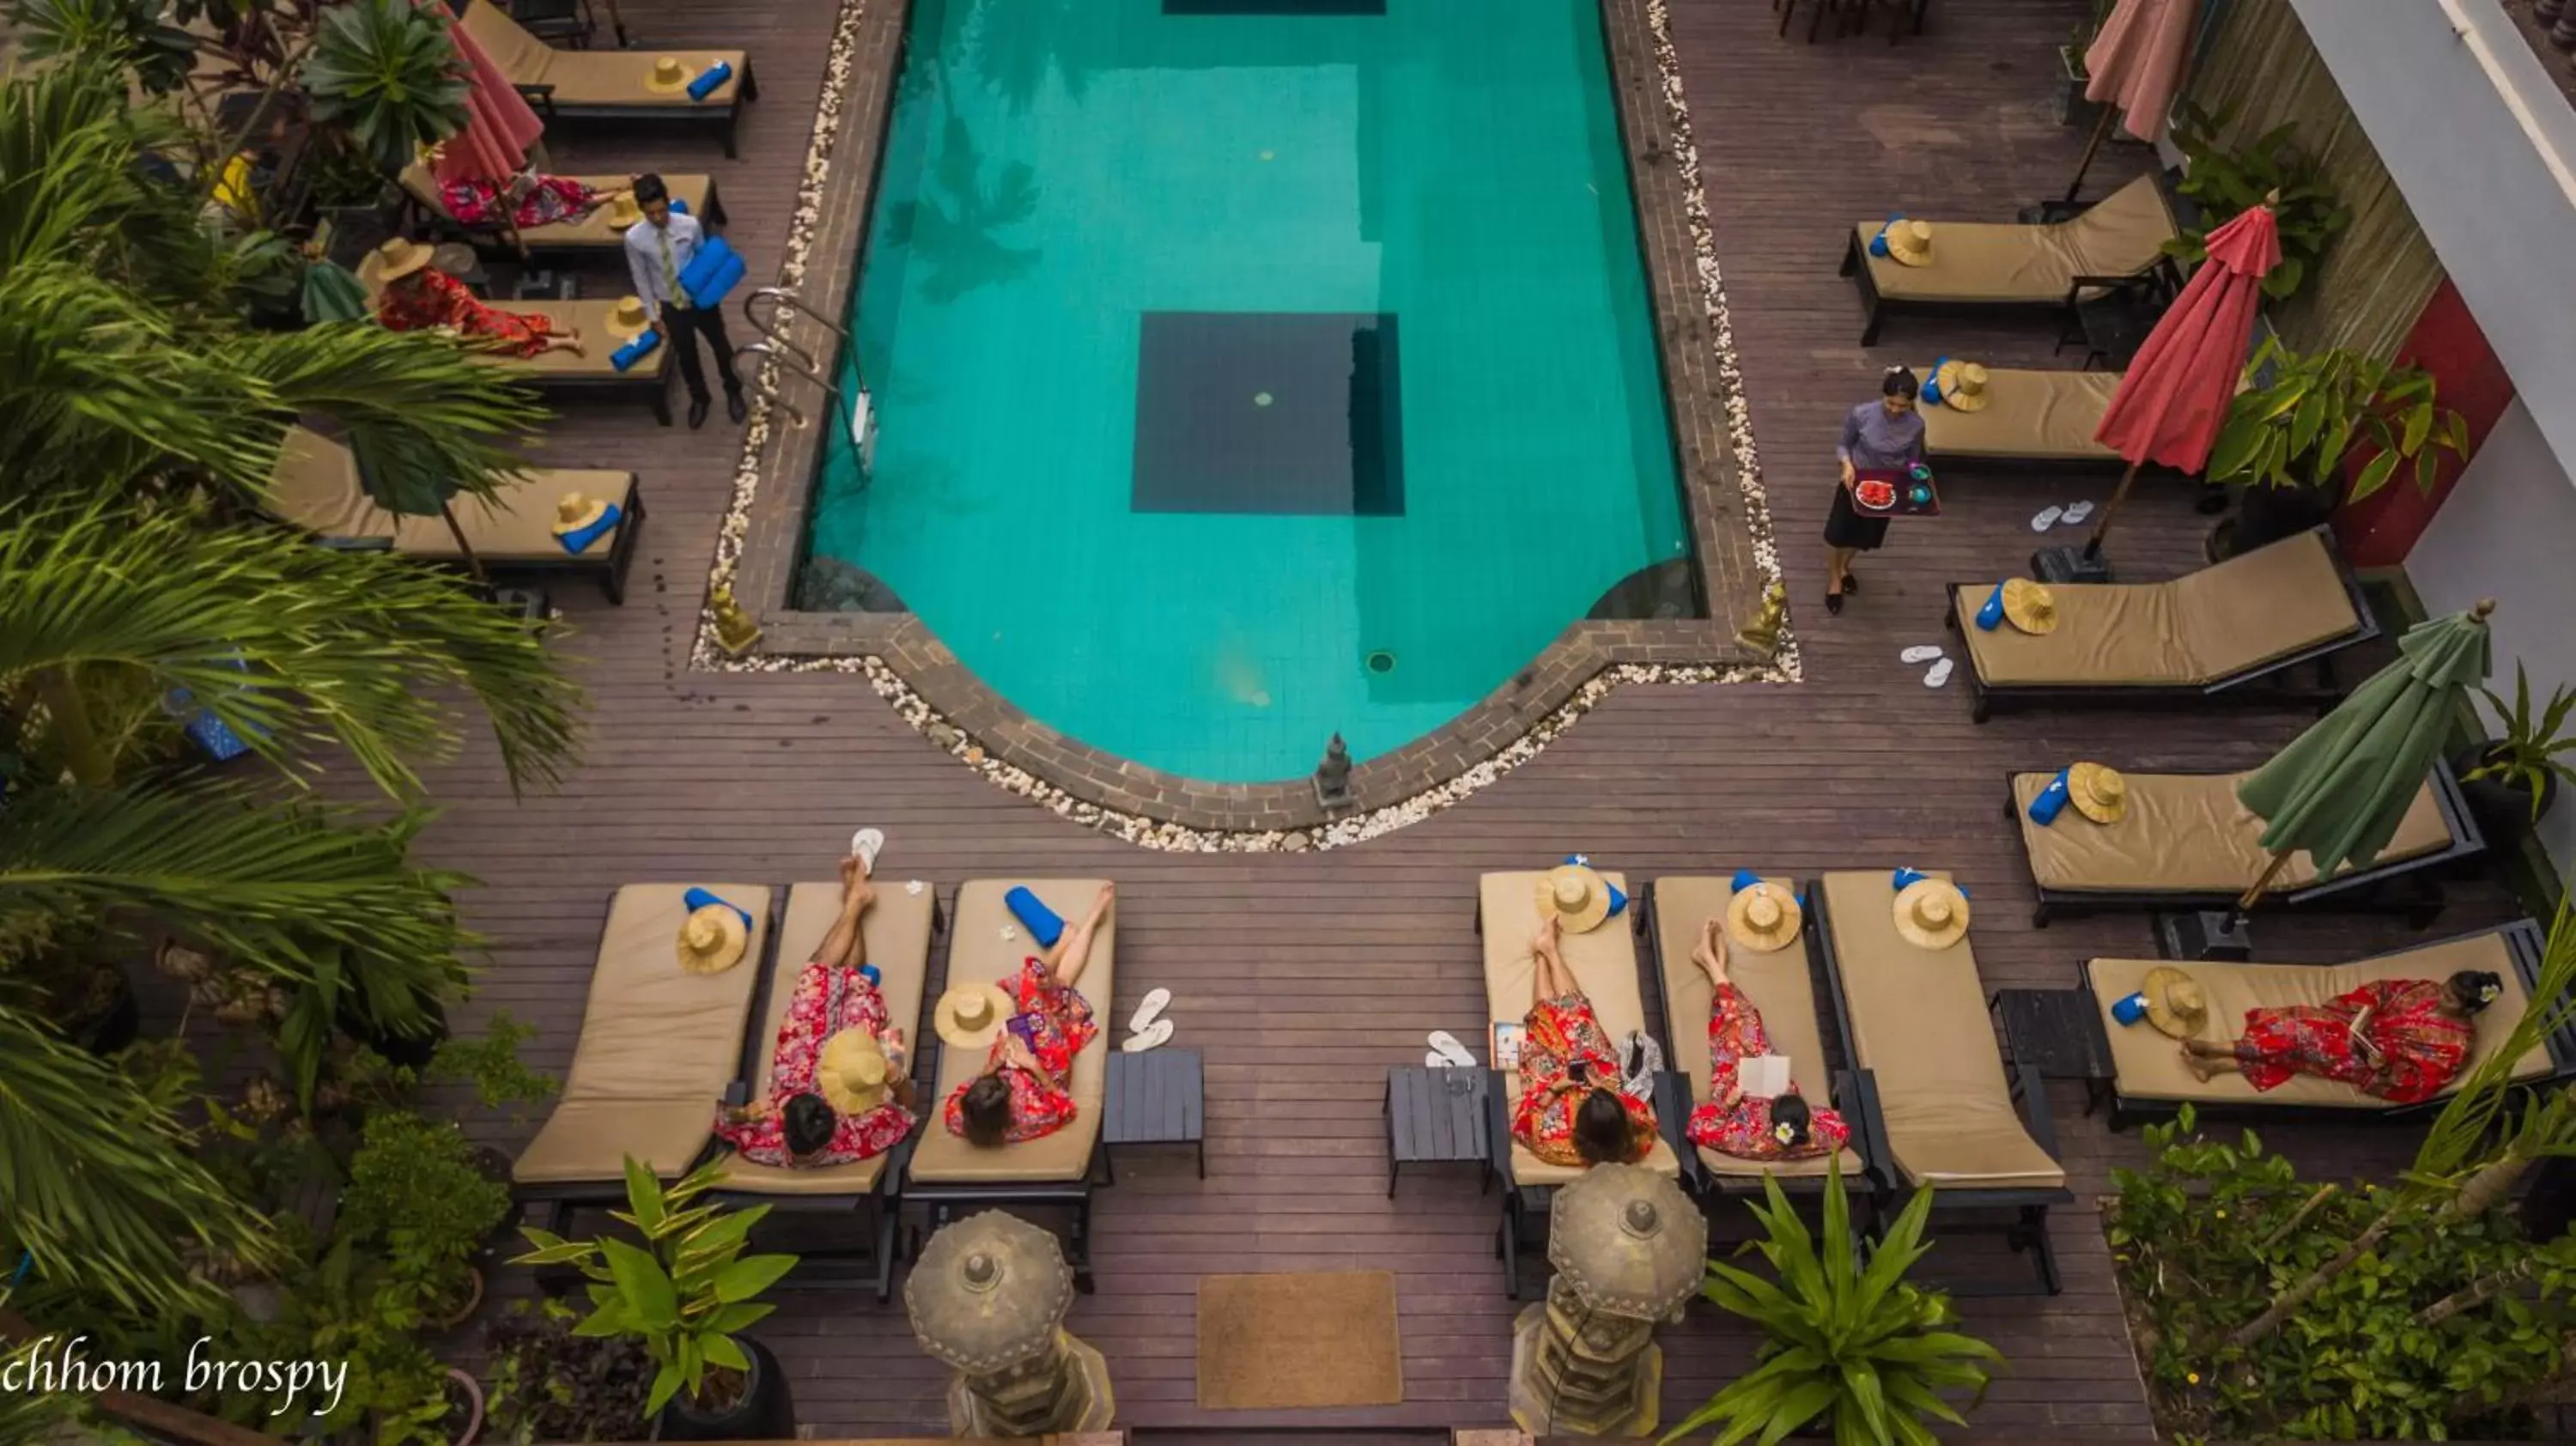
x=1274, y=7
x=1269, y=412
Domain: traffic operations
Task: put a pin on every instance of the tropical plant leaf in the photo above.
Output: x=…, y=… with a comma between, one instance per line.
x=386, y=71
x=2374, y=476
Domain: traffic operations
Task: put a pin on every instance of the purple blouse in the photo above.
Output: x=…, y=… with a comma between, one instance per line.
x=1875, y=441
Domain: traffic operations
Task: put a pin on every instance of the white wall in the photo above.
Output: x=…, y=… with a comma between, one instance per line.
x=2508, y=531
x=2454, y=118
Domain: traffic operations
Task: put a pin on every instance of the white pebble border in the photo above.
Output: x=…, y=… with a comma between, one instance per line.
x=705, y=655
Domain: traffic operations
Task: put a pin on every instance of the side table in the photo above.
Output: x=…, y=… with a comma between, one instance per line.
x=1154, y=1098
x=2059, y=1033
x=1435, y=1115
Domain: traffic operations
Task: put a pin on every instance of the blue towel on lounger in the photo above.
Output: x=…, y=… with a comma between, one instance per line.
x=708, y=79
x=1035, y=916
x=1618, y=900
x=696, y=899
x=1991, y=616
x=580, y=538
x=2051, y=801
x=1905, y=876
x=635, y=351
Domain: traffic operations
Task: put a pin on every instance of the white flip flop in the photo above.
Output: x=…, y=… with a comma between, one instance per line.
x=1436, y=1060
x=1149, y=1011
x=1939, y=675
x=2047, y=518
x=1153, y=1038
x=1446, y=1046
x=867, y=843
x=2075, y=514
x=1920, y=653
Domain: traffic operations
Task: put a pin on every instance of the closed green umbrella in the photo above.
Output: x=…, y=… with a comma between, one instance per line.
x=2339, y=791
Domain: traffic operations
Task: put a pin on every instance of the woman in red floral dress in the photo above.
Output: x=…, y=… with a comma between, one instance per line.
x=420, y=297
x=1022, y=1094
x=2400, y=1040
x=1570, y=1109
x=526, y=201
x=794, y=1126
x=1732, y=1122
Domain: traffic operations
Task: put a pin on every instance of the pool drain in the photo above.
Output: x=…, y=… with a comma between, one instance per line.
x=1381, y=662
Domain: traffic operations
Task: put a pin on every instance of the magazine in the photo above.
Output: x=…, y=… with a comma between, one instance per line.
x=1763, y=1076
x=1506, y=1041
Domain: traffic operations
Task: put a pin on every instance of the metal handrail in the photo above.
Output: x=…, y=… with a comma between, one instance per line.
x=782, y=296
x=786, y=354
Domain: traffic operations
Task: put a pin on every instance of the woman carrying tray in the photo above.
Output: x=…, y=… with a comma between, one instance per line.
x=1880, y=436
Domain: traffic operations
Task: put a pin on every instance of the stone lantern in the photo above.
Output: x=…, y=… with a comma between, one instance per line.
x=988, y=1297
x=1629, y=1248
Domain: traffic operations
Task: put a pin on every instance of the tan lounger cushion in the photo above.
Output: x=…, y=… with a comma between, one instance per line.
x=897, y=930
x=1778, y=984
x=316, y=488
x=2029, y=414
x=1604, y=961
x=658, y=1046
x=592, y=230
x=588, y=316
x=2185, y=833
x=1982, y=262
x=594, y=77
x=2199, y=629
x=1918, y=1020
x=978, y=952
x=2148, y=1065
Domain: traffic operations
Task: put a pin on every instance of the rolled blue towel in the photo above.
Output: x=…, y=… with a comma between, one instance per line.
x=1932, y=382
x=1991, y=616
x=708, y=79
x=1041, y=922
x=1618, y=900
x=679, y=207
x=2051, y=801
x=711, y=273
x=582, y=537
x=1904, y=877
x=696, y=899
x=1878, y=243
x=636, y=350
x=872, y=974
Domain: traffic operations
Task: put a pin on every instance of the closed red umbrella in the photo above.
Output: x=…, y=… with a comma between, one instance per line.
x=499, y=123
x=2135, y=65
x=2174, y=397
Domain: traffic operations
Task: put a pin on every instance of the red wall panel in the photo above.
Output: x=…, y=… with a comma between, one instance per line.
x=2381, y=530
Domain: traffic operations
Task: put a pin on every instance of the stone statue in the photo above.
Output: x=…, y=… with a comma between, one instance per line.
x=735, y=631
x=1333, y=775
x=1762, y=634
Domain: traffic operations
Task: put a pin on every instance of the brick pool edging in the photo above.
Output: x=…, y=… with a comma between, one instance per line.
x=759, y=542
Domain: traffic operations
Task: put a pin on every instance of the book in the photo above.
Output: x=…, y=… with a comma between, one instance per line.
x=1763, y=1076
x=1506, y=1044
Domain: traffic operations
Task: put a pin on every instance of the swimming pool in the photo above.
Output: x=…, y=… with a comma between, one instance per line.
x=1250, y=370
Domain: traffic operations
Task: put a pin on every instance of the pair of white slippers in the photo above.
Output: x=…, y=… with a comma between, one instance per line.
x=1921, y=653
x=1147, y=1028
x=2073, y=514
x=1447, y=1052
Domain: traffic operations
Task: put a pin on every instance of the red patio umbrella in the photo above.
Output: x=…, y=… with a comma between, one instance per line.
x=499, y=123
x=2134, y=66
x=2174, y=397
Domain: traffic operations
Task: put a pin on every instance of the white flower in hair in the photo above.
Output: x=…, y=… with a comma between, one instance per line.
x=1784, y=1132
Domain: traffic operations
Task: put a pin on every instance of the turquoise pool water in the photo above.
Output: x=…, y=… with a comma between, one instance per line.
x=1242, y=377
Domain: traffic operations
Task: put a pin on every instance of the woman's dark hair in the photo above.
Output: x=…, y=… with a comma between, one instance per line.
x=1792, y=1111
x=808, y=1123
x=649, y=189
x=2477, y=988
x=985, y=1110
x=1896, y=382
x=1601, y=1131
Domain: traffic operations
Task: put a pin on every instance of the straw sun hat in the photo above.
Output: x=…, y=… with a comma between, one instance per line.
x=712, y=940
x=851, y=1076
x=668, y=75
x=394, y=260
x=1963, y=386
x=1932, y=913
x=623, y=211
x=1579, y=897
x=2098, y=792
x=970, y=1015
x=629, y=318
x=577, y=510
x=1763, y=917
x=2030, y=606
x=2175, y=1005
x=1909, y=243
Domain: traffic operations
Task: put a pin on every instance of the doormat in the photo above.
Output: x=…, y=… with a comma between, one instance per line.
x=1298, y=1342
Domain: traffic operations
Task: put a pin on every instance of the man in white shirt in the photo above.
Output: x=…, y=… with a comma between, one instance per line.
x=658, y=249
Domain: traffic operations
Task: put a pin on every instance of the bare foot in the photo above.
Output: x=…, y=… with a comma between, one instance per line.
x=1101, y=901
x=2200, y=1068
x=850, y=873
x=1550, y=930
x=1711, y=953
x=861, y=895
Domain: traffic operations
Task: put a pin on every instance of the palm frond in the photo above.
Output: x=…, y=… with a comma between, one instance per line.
x=426, y=417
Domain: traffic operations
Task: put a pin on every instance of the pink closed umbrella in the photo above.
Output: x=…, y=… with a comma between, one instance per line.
x=2174, y=397
x=2135, y=63
x=499, y=124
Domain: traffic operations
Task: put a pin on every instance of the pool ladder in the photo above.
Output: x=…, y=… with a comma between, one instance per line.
x=775, y=346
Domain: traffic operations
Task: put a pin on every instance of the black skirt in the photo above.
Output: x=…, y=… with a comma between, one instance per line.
x=1847, y=528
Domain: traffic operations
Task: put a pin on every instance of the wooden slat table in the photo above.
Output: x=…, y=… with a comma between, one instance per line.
x=1156, y=1098
x=1435, y=1115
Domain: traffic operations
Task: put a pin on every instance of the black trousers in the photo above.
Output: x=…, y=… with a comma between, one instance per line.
x=685, y=325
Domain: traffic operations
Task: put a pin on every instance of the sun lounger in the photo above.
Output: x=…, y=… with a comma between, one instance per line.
x=590, y=236
x=1979, y=267
x=608, y=85
x=946, y=1172
x=897, y=928
x=1782, y=985
x=2231, y=632
x=593, y=373
x=2045, y=418
x=2148, y=1077
x=2186, y=843
x=316, y=488
x=1604, y=961
x=1956, y=1122
x=658, y=1048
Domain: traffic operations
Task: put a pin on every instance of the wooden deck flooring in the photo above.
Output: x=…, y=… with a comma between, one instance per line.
x=1303, y=977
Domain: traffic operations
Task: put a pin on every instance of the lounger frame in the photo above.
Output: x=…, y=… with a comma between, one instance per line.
x=1855, y=1096
x=2526, y=941
x=2265, y=685
x=943, y=1202
x=651, y=386
x=2409, y=888
x=2026, y=1231
x=1876, y=307
x=723, y=119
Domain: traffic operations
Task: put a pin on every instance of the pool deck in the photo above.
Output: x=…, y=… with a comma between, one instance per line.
x=1304, y=976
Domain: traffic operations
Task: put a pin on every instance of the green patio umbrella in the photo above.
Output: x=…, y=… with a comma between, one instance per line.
x=2340, y=789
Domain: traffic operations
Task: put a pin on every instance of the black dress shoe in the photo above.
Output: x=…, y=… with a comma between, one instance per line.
x=735, y=409
x=698, y=413
x=1850, y=583
x=1834, y=603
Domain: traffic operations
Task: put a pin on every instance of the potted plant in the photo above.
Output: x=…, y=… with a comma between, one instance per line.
x=1848, y=1349
x=416, y=1195
x=2287, y=437
x=2227, y=182
x=548, y=1383
x=2072, y=108
x=2515, y=778
x=688, y=1292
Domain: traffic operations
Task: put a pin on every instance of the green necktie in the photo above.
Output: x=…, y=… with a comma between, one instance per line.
x=670, y=274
